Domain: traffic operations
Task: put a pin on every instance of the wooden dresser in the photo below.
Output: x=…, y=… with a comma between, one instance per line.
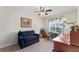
x=73, y=46
x=74, y=38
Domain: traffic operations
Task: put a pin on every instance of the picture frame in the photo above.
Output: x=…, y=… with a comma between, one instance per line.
x=26, y=22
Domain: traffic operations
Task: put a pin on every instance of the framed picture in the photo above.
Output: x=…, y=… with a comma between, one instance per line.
x=26, y=22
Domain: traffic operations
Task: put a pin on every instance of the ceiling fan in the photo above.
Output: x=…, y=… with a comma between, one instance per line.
x=42, y=11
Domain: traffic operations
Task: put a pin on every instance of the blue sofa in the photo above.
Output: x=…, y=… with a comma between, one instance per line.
x=26, y=38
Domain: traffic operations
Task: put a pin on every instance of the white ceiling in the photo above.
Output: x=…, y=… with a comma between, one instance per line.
x=55, y=9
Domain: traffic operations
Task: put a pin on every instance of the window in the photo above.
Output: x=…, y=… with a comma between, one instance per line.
x=56, y=25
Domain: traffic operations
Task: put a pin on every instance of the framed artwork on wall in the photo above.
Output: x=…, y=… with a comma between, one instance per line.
x=26, y=22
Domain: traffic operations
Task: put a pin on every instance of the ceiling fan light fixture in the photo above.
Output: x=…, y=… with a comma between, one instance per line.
x=46, y=14
x=40, y=13
x=43, y=13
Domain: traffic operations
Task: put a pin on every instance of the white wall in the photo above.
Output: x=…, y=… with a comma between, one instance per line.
x=10, y=25
x=69, y=15
x=78, y=16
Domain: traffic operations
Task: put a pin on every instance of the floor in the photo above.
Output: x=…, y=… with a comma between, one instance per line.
x=44, y=45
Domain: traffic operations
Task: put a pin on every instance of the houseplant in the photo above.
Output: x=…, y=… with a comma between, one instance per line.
x=75, y=28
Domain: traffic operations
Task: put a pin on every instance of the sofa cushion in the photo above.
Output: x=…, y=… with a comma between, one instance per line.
x=29, y=38
x=27, y=33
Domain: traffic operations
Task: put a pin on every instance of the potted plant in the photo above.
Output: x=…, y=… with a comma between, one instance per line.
x=75, y=28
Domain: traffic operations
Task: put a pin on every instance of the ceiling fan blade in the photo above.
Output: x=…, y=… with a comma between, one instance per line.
x=36, y=11
x=48, y=10
x=41, y=8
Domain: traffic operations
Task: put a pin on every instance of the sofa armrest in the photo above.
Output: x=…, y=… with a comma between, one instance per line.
x=21, y=37
x=21, y=42
x=36, y=34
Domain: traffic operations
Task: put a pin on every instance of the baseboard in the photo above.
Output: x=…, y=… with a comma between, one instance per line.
x=8, y=45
